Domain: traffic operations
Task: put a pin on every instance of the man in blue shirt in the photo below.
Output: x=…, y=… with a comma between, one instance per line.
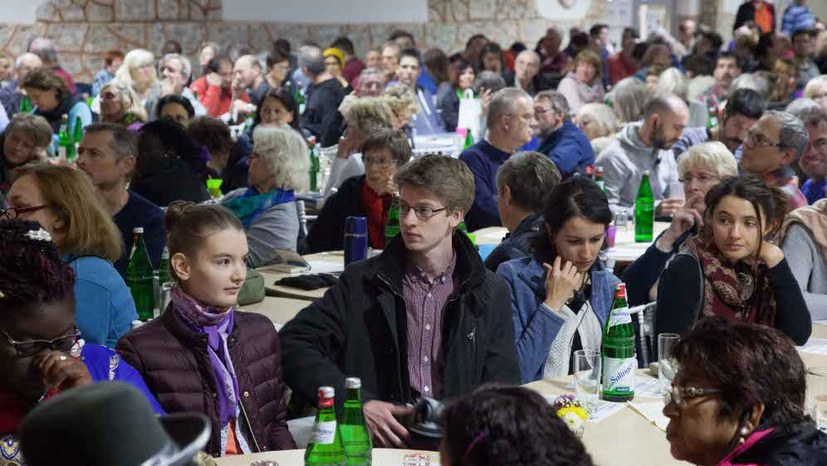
x=565, y=144
x=509, y=121
x=814, y=160
x=107, y=155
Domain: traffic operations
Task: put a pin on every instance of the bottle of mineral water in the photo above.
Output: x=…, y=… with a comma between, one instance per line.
x=325, y=447
x=644, y=211
x=139, y=277
x=355, y=435
x=392, y=226
x=619, y=361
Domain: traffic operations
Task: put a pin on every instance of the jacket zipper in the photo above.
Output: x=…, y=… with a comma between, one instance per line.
x=249, y=426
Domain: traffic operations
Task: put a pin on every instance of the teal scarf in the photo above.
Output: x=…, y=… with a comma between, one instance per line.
x=250, y=205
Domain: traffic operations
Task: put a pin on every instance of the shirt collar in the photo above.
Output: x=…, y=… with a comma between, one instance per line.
x=416, y=274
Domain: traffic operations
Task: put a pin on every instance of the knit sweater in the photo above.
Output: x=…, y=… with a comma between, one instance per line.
x=809, y=267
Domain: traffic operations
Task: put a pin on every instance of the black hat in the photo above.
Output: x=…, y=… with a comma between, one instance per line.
x=109, y=424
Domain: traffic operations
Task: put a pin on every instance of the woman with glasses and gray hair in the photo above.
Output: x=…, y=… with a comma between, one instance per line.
x=753, y=415
x=279, y=166
x=700, y=168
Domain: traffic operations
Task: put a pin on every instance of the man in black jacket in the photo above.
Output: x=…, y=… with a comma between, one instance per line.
x=424, y=318
x=324, y=94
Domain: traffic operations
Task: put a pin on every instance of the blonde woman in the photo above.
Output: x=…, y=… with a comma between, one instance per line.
x=628, y=98
x=138, y=72
x=402, y=102
x=64, y=202
x=583, y=85
x=673, y=81
x=279, y=167
x=599, y=123
x=700, y=168
x=364, y=117
x=120, y=105
x=816, y=89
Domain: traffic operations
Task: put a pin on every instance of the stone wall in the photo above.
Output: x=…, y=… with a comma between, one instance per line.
x=84, y=29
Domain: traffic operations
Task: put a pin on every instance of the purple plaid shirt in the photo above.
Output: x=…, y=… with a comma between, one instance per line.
x=424, y=304
x=786, y=180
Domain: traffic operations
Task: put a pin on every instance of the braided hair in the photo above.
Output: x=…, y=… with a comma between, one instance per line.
x=31, y=269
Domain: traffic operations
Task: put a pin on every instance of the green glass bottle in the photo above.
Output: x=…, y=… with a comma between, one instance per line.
x=644, y=211
x=325, y=447
x=139, y=277
x=598, y=178
x=464, y=230
x=65, y=143
x=77, y=134
x=26, y=105
x=163, y=267
x=355, y=435
x=712, y=119
x=392, y=226
x=618, y=351
x=315, y=164
x=469, y=140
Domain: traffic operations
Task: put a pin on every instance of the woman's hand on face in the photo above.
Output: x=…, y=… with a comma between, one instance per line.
x=669, y=206
x=62, y=372
x=771, y=254
x=562, y=280
x=683, y=219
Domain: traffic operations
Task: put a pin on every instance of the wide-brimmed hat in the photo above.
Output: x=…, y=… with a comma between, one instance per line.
x=109, y=424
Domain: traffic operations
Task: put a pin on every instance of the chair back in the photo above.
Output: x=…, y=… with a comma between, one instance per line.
x=646, y=330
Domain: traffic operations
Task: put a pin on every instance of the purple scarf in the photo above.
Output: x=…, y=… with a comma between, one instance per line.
x=217, y=324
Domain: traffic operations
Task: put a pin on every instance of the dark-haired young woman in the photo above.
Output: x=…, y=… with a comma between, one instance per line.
x=202, y=355
x=41, y=354
x=561, y=297
x=730, y=270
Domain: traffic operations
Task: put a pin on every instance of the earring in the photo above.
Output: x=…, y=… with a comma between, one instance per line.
x=744, y=432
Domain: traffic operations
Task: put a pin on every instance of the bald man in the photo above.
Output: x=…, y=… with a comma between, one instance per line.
x=526, y=74
x=10, y=94
x=248, y=78
x=641, y=146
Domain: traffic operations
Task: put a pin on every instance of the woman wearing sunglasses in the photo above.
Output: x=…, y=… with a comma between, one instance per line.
x=64, y=202
x=753, y=415
x=40, y=350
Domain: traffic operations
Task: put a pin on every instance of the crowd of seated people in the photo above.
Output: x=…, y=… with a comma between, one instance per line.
x=215, y=159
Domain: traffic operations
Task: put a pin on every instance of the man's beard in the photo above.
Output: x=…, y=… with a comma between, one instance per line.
x=658, y=141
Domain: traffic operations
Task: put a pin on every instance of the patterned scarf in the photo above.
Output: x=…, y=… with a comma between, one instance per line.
x=735, y=292
x=217, y=324
x=250, y=205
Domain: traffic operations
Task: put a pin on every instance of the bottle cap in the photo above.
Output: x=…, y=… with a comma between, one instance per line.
x=139, y=230
x=620, y=290
x=326, y=392
x=646, y=173
x=353, y=382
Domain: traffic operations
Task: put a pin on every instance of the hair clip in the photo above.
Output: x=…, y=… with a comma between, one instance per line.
x=39, y=235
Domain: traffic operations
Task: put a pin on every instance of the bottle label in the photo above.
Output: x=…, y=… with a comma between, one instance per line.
x=324, y=433
x=619, y=374
x=619, y=316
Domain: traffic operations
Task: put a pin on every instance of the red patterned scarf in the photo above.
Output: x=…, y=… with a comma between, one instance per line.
x=739, y=292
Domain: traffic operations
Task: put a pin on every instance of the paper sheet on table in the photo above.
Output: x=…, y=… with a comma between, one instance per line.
x=325, y=267
x=820, y=322
x=603, y=409
x=647, y=387
x=814, y=346
x=653, y=412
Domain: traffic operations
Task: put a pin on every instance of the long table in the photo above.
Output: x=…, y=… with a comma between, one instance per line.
x=625, y=438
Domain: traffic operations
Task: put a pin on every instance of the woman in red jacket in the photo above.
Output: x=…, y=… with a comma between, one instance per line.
x=201, y=354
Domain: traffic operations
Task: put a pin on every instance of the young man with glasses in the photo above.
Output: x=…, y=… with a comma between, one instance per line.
x=510, y=122
x=771, y=148
x=424, y=318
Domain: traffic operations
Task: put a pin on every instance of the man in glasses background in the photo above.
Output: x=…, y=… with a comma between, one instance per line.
x=771, y=148
x=424, y=318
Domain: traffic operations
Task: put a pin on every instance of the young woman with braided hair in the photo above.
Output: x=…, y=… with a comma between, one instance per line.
x=41, y=353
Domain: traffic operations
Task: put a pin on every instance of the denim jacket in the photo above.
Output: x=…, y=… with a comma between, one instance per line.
x=535, y=325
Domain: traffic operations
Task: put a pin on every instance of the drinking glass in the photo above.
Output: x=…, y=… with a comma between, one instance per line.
x=676, y=190
x=817, y=396
x=587, y=376
x=666, y=363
